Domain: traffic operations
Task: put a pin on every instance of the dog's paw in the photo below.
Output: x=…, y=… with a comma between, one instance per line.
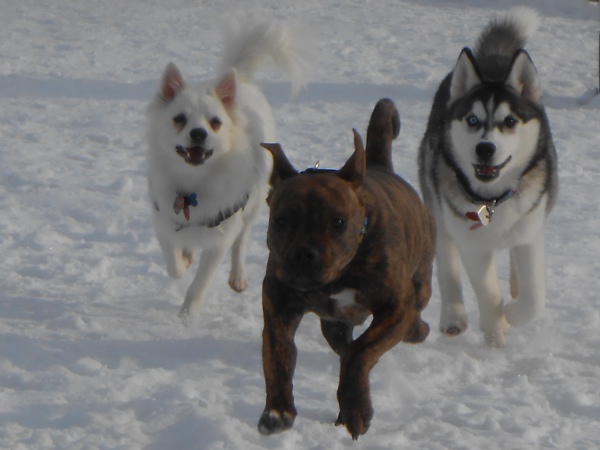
x=273, y=421
x=356, y=421
x=453, y=320
x=238, y=284
x=185, y=316
x=520, y=312
x=418, y=332
x=495, y=334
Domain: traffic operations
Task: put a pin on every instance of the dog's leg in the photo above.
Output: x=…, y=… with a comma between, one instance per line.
x=237, y=276
x=528, y=263
x=453, y=318
x=177, y=260
x=209, y=262
x=514, y=284
x=388, y=327
x=279, y=362
x=481, y=270
x=337, y=334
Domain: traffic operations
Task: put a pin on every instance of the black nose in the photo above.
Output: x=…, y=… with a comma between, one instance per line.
x=198, y=135
x=485, y=150
x=306, y=254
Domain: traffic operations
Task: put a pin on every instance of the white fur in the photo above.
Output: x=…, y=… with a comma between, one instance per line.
x=238, y=166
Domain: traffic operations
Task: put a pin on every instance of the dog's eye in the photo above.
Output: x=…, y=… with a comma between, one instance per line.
x=281, y=222
x=510, y=122
x=337, y=223
x=215, y=123
x=472, y=120
x=180, y=121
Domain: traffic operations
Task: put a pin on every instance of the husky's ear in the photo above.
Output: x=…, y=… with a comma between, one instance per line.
x=354, y=169
x=523, y=77
x=172, y=83
x=282, y=168
x=465, y=76
x=227, y=88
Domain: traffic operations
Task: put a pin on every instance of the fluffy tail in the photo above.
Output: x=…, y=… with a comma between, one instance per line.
x=249, y=43
x=507, y=33
x=384, y=127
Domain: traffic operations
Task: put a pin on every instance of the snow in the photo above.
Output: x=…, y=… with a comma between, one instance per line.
x=92, y=355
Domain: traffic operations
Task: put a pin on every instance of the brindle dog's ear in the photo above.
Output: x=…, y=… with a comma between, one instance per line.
x=354, y=169
x=282, y=168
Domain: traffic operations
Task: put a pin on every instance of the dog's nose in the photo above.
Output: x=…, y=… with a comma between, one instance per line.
x=485, y=150
x=198, y=134
x=306, y=254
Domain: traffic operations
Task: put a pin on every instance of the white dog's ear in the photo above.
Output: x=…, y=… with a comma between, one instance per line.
x=523, y=77
x=172, y=83
x=354, y=169
x=465, y=76
x=227, y=87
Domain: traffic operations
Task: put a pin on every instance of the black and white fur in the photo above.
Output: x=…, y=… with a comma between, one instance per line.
x=204, y=140
x=488, y=143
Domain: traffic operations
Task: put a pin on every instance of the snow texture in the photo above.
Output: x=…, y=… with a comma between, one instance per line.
x=92, y=355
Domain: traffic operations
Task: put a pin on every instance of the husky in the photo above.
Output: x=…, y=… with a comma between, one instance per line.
x=207, y=173
x=488, y=172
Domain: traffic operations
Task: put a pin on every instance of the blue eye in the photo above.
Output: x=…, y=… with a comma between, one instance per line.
x=472, y=120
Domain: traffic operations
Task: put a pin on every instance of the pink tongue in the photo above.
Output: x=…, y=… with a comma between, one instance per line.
x=195, y=152
x=486, y=170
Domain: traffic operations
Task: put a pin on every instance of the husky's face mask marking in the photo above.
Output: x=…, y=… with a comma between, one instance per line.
x=489, y=136
x=493, y=122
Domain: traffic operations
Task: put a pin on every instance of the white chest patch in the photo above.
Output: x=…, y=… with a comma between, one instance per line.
x=347, y=309
x=345, y=298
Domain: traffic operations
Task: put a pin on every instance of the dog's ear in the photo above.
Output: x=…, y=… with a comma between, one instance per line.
x=172, y=83
x=282, y=168
x=465, y=76
x=227, y=88
x=523, y=77
x=354, y=169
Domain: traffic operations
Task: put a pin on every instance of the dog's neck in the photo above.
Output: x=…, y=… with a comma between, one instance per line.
x=183, y=201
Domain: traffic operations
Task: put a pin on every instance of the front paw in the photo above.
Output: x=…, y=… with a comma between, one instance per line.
x=274, y=421
x=238, y=283
x=453, y=320
x=357, y=420
x=495, y=333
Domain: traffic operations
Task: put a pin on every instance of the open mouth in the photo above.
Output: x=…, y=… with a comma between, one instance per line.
x=194, y=156
x=486, y=172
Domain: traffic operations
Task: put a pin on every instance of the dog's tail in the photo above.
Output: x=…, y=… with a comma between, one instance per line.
x=384, y=127
x=507, y=33
x=250, y=43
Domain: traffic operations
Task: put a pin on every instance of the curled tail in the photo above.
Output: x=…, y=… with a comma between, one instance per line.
x=384, y=127
x=252, y=42
x=507, y=33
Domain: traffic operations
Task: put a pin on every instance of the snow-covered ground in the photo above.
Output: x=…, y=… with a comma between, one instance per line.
x=92, y=355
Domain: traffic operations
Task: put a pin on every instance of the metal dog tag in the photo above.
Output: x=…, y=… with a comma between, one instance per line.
x=485, y=214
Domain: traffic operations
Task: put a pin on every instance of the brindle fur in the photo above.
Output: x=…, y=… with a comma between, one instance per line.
x=389, y=267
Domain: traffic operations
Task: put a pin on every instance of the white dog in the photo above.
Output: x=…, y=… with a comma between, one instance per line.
x=207, y=173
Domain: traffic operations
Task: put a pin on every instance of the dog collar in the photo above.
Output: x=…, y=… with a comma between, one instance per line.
x=183, y=202
x=483, y=215
x=363, y=230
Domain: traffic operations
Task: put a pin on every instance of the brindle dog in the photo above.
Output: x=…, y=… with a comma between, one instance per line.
x=344, y=244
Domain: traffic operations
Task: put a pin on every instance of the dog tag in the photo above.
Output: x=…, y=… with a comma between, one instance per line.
x=483, y=216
